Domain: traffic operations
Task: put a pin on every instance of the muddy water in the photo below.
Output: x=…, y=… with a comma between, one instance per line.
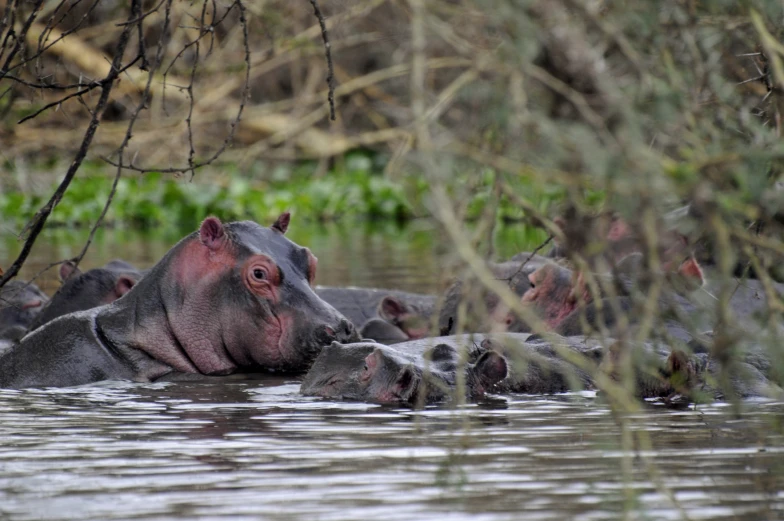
x=257, y=450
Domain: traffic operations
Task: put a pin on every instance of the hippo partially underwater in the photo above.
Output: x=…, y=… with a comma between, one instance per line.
x=228, y=297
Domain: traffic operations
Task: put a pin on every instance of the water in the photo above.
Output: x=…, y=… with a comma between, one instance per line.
x=255, y=449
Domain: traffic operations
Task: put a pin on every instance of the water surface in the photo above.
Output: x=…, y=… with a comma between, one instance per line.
x=258, y=450
x=255, y=449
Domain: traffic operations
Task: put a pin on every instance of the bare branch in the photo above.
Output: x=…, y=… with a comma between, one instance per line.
x=34, y=227
x=330, y=68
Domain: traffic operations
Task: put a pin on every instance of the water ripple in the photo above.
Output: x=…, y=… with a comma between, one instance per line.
x=256, y=449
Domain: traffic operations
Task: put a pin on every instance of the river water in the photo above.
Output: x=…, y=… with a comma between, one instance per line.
x=255, y=449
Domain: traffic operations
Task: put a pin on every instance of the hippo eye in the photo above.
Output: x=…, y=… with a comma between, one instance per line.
x=259, y=274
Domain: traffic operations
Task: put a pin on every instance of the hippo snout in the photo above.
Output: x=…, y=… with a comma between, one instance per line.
x=343, y=331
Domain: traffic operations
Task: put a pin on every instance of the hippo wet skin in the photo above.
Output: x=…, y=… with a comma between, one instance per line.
x=224, y=298
x=419, y=373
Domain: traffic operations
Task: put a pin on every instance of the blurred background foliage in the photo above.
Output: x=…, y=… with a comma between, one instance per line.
x=596, y=103
x=518, y=111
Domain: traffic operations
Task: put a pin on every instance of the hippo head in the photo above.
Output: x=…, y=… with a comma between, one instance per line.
x=89, y=289
x=414, y=324
x=379, y=330
x=485, y=311
x=20, y=302
x=553, y=294
x=376, y=373
x=240, y=295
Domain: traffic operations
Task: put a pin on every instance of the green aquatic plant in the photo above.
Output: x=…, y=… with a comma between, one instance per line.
x=357, y=190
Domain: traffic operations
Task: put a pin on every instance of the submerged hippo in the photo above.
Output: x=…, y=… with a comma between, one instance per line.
x=89, y=289
x=386, y=316
x=419, y=373
x=226, y=297
x=426, y=371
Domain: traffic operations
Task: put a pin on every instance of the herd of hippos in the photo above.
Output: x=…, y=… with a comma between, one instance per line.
x=240, y=298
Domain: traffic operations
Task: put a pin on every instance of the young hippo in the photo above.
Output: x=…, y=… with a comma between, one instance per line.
x=20, y=303
x=224, y=298
x=386, y=316
x=89, y=289
x=420, y=372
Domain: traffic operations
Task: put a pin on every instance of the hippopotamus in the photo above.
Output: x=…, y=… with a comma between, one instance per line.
x=386, y=316
x=89, y=289
x=419, y=372
x=20, y=303
x=425, y=371
x=228, y=297
x=558, y=293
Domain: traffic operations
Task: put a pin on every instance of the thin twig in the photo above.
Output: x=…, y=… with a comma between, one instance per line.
x=77, y=94
x=330, y=69
x=34, y=227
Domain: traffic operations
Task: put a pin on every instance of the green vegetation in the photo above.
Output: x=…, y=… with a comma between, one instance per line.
x=355, y=189
x=148, y=200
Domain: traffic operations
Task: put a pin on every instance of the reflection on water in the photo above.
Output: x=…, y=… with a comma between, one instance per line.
x=240, y=449
x=245, y=450
x=383, y=255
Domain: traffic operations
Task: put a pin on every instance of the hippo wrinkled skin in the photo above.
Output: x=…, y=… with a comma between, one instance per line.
x=227, y=297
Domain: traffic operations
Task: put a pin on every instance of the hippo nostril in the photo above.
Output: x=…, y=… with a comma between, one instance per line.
x=348, y=332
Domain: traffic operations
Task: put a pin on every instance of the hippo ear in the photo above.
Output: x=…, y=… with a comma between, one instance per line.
x=391, y=308
x=491, y=367
x=580, y=290
x=67, y=270
x=123, y=285
x=688, y=277
x=282, y=223
x=486, y=344
x=559, y=223
x=211, y=233
x=406, y=383
x=690, y=269
x=447, y=329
